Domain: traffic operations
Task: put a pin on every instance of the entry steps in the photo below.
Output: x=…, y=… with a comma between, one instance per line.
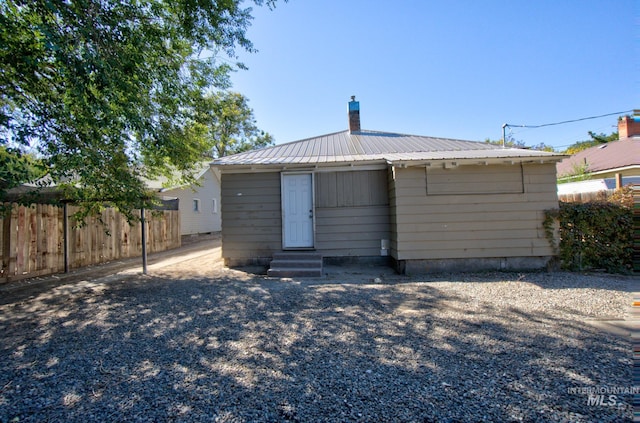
x=296, y=264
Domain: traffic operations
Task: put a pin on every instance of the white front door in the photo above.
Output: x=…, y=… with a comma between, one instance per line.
x=297, y=210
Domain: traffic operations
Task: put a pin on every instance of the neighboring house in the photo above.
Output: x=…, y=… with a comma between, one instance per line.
x=426, y=203
x=596, y=185
x=616, y=160
x=199, y=205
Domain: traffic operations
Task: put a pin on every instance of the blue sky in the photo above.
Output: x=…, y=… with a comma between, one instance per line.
x=455, y=68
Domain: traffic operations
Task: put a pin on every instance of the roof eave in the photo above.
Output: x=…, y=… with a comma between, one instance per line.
x=279, y=167
x=475, y=161
x=614, y=169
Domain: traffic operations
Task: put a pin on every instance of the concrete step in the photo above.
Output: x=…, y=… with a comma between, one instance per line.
x=291, y=264
x=295, y=273
x=297, y=255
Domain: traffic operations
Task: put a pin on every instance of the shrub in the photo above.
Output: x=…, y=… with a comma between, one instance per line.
x=594, y=235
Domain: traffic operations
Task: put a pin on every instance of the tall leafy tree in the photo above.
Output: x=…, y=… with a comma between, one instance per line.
x=17, y=168
x=513, y=143
x=596, y=139
x=109, y=91
x=230, y=124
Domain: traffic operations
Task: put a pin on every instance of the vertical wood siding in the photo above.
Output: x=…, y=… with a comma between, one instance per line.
x=482, y=224
x=351, y=189
x=251, y=216
x=352, y=213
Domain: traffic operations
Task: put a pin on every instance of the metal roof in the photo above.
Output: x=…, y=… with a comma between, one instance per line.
x=609, y=156
x=374, y=146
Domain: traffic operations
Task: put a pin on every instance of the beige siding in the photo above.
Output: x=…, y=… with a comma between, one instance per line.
x=474, y=180
x=251, y=216
x=393, y=210
x=352, y=212
x=355, y=210
x=351, y=231
x=206, y=218
x=477, y=225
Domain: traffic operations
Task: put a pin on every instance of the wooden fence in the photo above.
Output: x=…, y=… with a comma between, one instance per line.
x=585, y=197
x=32, y=239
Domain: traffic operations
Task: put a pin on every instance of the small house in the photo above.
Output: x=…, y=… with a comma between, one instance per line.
x=199, y=203
x=419, y=203
x=611, y=165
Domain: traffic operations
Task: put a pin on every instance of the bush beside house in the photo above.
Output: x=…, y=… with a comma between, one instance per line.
x=595, y=235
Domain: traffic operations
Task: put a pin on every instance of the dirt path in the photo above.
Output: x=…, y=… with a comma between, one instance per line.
x=197, y=252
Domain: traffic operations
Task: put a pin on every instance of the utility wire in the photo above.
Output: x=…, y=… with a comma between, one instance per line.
x=508, y=125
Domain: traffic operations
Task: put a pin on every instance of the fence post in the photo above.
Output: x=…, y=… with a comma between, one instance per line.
x=6, y=240
x=144, y=241
x=65, y=235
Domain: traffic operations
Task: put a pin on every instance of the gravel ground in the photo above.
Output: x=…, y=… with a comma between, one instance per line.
x=195, y=342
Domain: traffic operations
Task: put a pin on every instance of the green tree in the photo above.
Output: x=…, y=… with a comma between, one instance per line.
x=578, y=172
x=17, y=168
x=510, y=142
x=596, y=139
x=230, y=125
x=108, y=91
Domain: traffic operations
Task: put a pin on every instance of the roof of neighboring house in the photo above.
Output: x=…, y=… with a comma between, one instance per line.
x=162, y=183
x=609, y=156
x=373, y=146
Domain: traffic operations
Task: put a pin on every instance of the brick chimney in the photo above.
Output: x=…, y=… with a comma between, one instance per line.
x=354, y=115
x=628, y=127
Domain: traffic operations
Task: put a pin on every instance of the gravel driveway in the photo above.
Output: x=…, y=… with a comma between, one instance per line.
x=195, y=342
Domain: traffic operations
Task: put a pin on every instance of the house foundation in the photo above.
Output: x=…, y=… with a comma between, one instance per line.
x=412, y=267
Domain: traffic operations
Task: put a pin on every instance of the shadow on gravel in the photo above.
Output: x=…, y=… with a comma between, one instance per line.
x=543, y=279
x=569, y=280
x=254, y=349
